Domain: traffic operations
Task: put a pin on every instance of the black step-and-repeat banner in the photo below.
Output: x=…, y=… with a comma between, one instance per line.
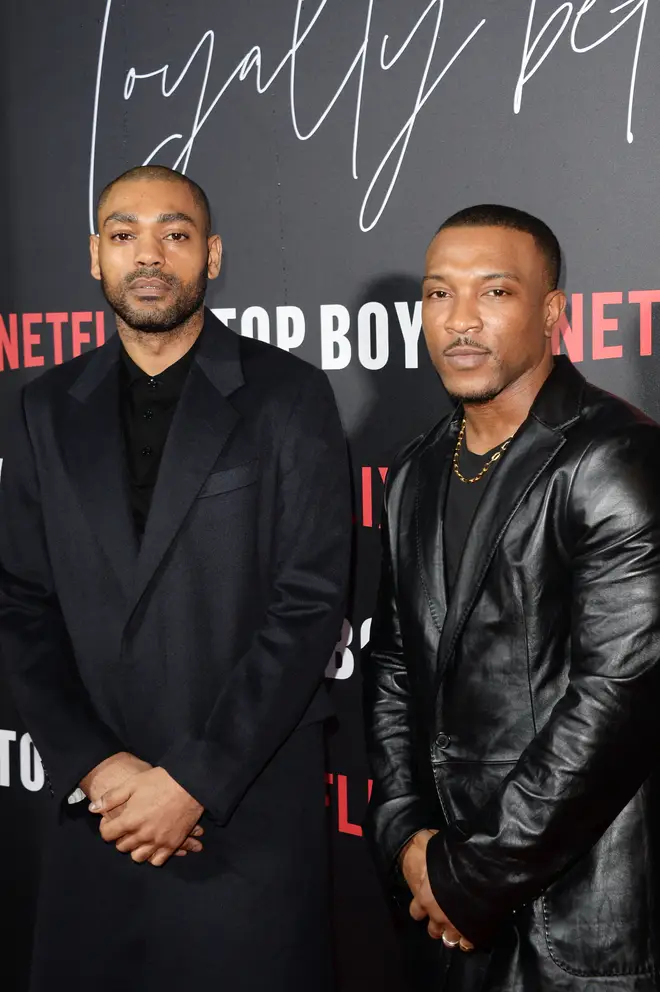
x=332, y=136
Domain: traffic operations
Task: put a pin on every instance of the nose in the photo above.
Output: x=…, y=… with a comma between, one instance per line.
x=463, y=316
x=149, y=251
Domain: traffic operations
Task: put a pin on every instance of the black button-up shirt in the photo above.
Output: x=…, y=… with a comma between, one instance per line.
x=147, y=405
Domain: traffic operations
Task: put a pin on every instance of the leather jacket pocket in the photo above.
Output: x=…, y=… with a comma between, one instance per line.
x=598, y=916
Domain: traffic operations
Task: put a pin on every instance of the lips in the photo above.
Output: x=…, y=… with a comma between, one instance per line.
x=466, y=358
x=465, y=351
x=156, y=285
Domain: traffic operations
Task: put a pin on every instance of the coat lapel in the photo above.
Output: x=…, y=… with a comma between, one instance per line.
x=202, y=423
x=432, y=481
x=535, y=445
x=93, y=453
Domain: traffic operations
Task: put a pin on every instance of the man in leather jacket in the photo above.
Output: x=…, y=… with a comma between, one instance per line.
x=512, y=686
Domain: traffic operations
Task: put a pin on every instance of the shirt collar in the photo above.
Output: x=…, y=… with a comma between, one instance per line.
x=173, y=376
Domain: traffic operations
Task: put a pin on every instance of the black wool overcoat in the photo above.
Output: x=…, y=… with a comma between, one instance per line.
x=202, y=650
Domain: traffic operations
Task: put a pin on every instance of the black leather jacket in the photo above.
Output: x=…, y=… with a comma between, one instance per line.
x=521, y=717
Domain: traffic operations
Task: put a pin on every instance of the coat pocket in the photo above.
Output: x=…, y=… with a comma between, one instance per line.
x=464, y=787
x=236, y=477
x=599, y=916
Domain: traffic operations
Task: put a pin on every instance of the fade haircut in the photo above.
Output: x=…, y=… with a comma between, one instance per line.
x=496, y=215
x=162, y=173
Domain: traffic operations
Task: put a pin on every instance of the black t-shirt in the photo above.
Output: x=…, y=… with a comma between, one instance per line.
x=466, y=971
x=147, y=404
x=460, y=506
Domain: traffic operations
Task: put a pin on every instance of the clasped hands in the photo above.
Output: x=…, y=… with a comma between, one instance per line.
x=424, y=905
x=143, y=810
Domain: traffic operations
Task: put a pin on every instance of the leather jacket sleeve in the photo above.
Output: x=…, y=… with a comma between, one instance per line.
x=397, y=809
x=597, y=747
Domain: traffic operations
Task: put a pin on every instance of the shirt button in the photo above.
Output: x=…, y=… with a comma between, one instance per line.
x=148, y=414
x=152, y=383
x=443, y=741
x=147, y=450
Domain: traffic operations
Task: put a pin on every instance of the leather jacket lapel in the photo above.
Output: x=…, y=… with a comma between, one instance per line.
x=432, y=480
x=532, y=449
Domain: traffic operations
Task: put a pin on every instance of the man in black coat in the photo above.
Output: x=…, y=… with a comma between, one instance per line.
x=513, y=685
x=174, y=550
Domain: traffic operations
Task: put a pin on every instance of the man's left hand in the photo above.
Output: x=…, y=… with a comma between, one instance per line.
x=158, y=816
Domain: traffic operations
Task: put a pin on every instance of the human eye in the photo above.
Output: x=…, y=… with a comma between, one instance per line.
x=177, y=236
x=438, y=294
x=121, y=236
x=498, y=293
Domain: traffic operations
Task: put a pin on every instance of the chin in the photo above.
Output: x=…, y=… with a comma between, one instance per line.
x=473, y=392
x=474, y=399
x=155, y=319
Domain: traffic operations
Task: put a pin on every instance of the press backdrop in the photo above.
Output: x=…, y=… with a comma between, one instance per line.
x=332, y=136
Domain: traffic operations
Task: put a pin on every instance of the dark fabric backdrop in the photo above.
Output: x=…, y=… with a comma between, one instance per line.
x=332, y=136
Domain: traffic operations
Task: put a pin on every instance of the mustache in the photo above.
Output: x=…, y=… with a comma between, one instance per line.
x=150, y=273
x=466, y=342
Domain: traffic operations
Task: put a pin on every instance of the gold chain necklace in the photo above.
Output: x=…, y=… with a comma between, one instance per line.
x=493, y=458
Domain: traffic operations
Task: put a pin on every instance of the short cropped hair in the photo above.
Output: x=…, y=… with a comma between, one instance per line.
x=162, y=173
x=496, y=215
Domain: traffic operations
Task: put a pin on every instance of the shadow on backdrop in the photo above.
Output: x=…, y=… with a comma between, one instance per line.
x=387, y=408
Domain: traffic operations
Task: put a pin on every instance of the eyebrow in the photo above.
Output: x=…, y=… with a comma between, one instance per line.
x=122, y=218
x=485, y=277
x=174, y=217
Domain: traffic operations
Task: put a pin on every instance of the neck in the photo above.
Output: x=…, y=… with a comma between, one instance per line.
x=153, y=352
x=490, y=424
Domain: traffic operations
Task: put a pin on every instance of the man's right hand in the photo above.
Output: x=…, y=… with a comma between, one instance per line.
x=413, y=859
x=111, y=773
x=413, y=865
x=115, y=771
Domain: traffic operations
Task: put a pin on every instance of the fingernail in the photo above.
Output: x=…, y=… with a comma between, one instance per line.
x=93, y=807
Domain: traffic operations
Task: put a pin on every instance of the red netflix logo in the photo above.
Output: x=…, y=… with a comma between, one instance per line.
x=32, y=340
x=373, y=481
x=605, y=324
x=337, y=799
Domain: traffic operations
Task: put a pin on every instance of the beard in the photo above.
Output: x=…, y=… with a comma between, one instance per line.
x=476, y=398
x=188, y=299
x=481, y=395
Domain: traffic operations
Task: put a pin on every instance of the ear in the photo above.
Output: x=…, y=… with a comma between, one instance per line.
x=214, y=263
x=555, y=304
x=94, y=256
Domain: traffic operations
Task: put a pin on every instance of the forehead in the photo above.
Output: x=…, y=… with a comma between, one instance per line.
x=147, y=198
x=484, y=250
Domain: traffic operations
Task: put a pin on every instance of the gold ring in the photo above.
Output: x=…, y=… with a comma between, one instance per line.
x=450, y=943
